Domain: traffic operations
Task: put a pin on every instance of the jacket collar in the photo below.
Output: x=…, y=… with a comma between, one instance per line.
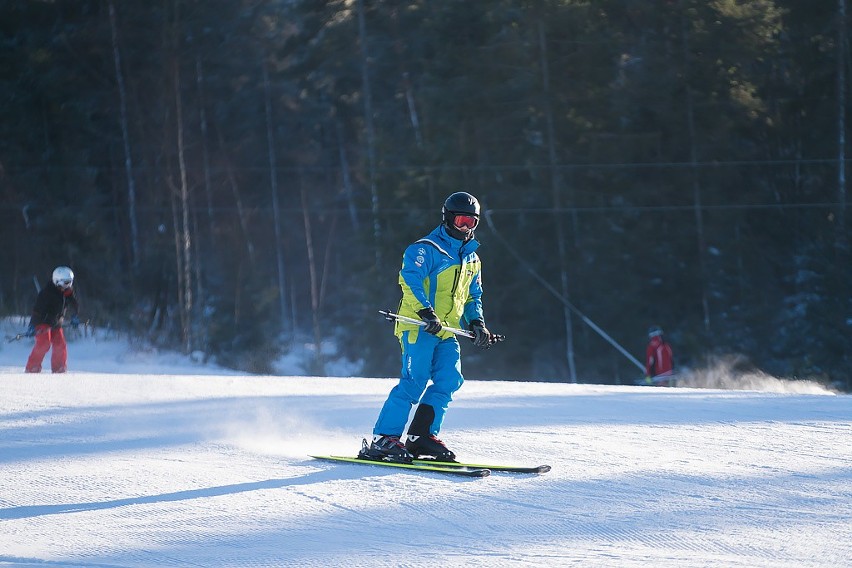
x=449, y=244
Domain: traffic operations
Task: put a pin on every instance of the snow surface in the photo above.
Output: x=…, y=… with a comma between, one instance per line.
x=138, y=458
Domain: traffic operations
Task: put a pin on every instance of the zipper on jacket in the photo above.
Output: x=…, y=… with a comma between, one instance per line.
x=456, y=280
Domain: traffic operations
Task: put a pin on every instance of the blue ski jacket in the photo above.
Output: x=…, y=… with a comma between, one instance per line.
x=444, y=274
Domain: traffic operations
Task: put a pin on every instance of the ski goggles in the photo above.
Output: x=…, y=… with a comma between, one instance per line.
x=468, y=222
x=65, y=284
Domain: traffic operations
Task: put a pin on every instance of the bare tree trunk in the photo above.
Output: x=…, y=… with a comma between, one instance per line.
x=185, y=229
x=371, y=136
x=237, y=198
x=203, y=334
x=205, y=152
x=179, y=259
x=200, y=335
x=346, y=178
x=125, y=136
x=696, y=185
x=841, y=237
x=312, y=273
x=238, y=293
x=841, y=243
x=556, y=185
x=406, y=80
x=276, y=214
x=327, y=260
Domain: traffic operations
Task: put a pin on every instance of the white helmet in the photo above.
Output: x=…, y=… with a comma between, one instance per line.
x=63, y=277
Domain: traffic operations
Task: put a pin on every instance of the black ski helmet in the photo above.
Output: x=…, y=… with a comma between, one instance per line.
x=459, y=203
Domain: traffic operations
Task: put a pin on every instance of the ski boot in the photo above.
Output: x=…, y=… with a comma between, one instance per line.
x=385, y=448
x=421, y=442
x=428, y=447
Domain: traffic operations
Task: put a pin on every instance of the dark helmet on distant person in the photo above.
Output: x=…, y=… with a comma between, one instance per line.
x=654, y=331
x=461, y=215
x=63, y=277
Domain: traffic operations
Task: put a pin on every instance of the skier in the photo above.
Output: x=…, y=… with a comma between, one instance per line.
x=52, y=302
x=441, y=282
x=659, y=362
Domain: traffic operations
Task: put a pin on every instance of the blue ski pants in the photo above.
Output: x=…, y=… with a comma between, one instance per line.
x=427, y=358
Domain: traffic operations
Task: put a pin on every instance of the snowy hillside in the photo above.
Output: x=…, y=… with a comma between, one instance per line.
x=142, y=459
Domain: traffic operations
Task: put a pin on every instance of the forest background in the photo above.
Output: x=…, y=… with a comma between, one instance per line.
x=238, y=177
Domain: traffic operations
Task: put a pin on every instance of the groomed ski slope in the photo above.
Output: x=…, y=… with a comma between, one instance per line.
x=168, y=463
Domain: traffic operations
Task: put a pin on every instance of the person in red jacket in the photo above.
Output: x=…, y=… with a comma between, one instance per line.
x=659, y=361
x=51, y=305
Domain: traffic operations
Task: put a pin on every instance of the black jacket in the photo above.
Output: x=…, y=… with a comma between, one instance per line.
x=51, y=306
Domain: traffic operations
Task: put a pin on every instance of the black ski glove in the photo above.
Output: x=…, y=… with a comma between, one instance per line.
x=433, y=324
x=482, y=337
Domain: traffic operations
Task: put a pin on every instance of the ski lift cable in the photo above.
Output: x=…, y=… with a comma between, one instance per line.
x=559, y=296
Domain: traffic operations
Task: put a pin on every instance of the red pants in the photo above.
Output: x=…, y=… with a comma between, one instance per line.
x=45, y=337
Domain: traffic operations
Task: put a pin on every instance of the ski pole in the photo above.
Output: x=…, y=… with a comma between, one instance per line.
x=390, y=316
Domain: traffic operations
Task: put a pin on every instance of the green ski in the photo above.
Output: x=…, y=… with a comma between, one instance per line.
x=455, y=469
x=492, y=467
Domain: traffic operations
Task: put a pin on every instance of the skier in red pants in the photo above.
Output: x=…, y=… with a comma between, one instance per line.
x=48, y=316
x=659, y=361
